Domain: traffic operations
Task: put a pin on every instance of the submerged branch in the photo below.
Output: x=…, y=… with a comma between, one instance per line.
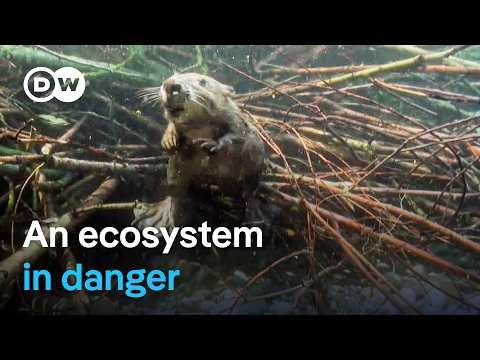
x=10, y=267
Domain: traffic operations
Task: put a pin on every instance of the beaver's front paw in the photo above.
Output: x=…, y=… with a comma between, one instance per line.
x=208, y=145
x=213, y=146
x=170, y=138
x=156, y=215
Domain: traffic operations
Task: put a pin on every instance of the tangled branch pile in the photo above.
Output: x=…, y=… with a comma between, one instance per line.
x=369, y=164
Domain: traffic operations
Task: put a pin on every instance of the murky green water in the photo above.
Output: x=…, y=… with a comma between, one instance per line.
x=413, y=89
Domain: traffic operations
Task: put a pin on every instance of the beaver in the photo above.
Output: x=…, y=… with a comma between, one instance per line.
x=212, y=146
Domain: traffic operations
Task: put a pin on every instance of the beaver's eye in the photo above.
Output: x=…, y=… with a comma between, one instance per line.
x=203, y=82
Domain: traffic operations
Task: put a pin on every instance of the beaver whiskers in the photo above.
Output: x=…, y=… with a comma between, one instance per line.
x=153, y=95
x=150, y=95
x=197, y=99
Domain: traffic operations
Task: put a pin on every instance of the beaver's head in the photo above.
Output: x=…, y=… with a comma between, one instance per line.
x=191, y=96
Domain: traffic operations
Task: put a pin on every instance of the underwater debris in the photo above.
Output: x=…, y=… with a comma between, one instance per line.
x=372, y=171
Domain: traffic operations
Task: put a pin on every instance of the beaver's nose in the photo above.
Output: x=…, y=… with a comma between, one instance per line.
x=173, y=89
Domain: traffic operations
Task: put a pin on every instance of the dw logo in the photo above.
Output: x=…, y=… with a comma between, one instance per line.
x=41, y=84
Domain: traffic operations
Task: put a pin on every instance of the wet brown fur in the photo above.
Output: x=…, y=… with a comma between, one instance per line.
x=211, y=144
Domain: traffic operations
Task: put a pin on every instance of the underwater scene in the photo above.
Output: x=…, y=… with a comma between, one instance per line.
x=239, y=179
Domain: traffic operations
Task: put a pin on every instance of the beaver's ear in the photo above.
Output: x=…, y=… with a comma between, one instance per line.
x=228, y=90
